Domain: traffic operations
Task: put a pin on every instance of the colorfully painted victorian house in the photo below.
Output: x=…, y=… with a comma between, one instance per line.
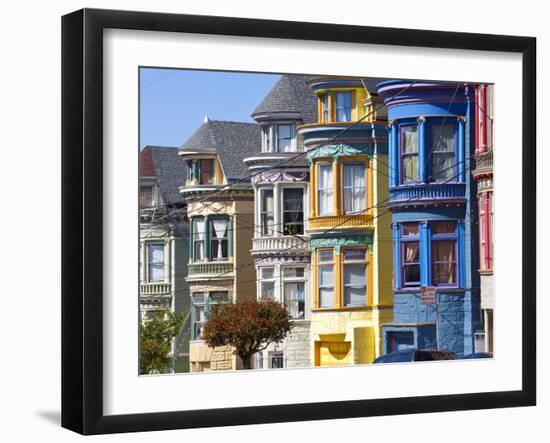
x=347, y=223
x=221, y=220
x=280, y=247
x=483, y=174
x=432, y=197
x=163, y=242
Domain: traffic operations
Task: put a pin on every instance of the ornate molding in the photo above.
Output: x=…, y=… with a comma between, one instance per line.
x=339, y=150
x=338, y=242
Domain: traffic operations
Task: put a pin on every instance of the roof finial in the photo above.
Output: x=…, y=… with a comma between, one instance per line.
x=206, y=119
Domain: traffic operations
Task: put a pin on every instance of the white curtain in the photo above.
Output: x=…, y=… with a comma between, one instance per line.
x=325, y=188
x=443, y=151
x=326, y=286
x=355, y=200
x=343, y=106
x=220, y=228
x=355, y=285
x=294, y=299
x=156, y=262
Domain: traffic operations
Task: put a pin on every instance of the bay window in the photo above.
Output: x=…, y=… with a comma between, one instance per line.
x=218, y=239
x=325, y=188
x=325, y=278
x=409, y=153
x=267, y=211
x=410, y=254
x=443, y=151
x=198, y=239
x=444, y=252
x=155, y=262
x=355, y=276
x=355, y=190
x=294, y=291
x=343, y=106
x=293, y=211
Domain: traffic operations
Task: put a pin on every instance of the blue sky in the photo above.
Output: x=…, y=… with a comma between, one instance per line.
x=174, y=102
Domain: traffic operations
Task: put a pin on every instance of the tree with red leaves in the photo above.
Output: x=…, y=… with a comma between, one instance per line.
x=249, y=326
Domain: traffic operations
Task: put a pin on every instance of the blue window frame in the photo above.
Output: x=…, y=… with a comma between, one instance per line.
x=410, y=254
x=400, y=341
x=409, y=153
x=444, y=252
x=443, y=144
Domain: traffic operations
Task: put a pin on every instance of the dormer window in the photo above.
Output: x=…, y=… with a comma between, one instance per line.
x=201, y=171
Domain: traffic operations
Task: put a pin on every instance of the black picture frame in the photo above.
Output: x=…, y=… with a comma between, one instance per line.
x=82, y=160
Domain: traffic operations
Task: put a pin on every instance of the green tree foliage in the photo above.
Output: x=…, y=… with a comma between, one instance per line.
x=155, y=341
x=249, y=326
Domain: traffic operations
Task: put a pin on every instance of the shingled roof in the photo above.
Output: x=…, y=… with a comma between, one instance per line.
x=290, y=94
x=232, y=141
x=165, y=164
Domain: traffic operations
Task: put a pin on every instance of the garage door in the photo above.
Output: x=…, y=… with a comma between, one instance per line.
x=334, y=353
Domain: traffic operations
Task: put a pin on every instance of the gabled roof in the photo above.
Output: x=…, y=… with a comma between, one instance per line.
x=290, y=94
x=165, y=164
x=232, y=141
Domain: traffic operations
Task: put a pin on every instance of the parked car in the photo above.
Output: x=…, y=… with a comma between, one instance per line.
x=409, y=355
x=479, y=355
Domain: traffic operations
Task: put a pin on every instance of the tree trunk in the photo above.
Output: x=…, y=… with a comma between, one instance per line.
x=246, y=361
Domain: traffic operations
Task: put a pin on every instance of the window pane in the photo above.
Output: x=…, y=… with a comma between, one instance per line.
x=343, y=106
x=293, y=211
x=218, y=239
x=355, y=197
x=155, y=257
x=294, y=299
x=206, y=171
x=326, y=110
x=325, y=255
x=411, y=275
x=198, y=239
x=443, y=151
x=219, y=297
x=409, y=152
x=267, y=273
x=443, y=228
x=355, y=285
x=268, y=290
x=284, y=138
x=326, y=286
x=411, y=251
x=325, y=188
x=276, y=360
x=355, y=254
x=444, y=262
x=267, y=211
x=146, y=197
x=293, y=272
x=410, y=229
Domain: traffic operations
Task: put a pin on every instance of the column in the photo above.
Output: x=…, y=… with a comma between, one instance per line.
x=461, y=150
x=396, y=234
x=393, y=153
x=425, y=253
x=423, y=153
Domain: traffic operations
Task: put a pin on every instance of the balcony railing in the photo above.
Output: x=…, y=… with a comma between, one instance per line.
x=484, y=164
x=429, y=192
x=210, y=270
x=281, y=244
x=150, y=289
x=340, y=222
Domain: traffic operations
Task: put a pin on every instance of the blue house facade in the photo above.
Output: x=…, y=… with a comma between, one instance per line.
x=432, y=198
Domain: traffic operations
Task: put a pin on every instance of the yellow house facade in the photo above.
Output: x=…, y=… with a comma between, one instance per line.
x=348, y=224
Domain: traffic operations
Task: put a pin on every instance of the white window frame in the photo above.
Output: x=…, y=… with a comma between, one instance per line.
x=147, y=264
x=293, y=280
